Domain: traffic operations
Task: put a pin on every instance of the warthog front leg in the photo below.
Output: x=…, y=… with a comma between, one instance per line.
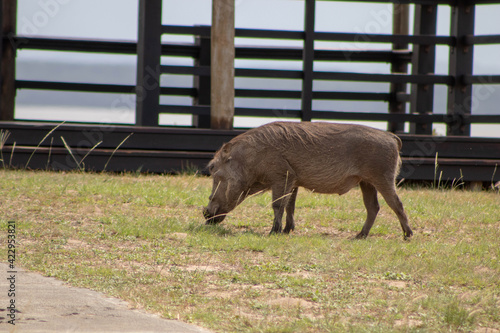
x=372, y=207
x=290, y=210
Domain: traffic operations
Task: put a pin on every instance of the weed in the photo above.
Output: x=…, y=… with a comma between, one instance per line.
x=456, y=316
x=493, y=185
x=40, y=143
x=114, y=151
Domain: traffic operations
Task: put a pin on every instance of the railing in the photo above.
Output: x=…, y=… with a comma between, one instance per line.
x=459, y=81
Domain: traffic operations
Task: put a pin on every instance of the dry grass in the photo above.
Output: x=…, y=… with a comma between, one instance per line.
x=142, y=238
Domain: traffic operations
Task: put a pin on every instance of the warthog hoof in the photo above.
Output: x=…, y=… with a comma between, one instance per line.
x=408, y=234
x=361, y=235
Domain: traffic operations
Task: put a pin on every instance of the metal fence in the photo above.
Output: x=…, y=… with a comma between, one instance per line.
x=149, y=50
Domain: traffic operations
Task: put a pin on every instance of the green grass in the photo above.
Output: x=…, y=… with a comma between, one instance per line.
x=142, y=238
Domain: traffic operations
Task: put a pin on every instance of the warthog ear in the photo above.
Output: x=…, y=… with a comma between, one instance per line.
x=225, y=152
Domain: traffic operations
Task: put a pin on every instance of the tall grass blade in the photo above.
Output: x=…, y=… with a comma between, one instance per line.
x=12, y=154
x=39, y=144
x=50, y=154
x=88, y=153
x=436, y=166
x=114, y=151
x=493, y=177
x=71, y=153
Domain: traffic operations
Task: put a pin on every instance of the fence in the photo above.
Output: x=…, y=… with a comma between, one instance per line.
x=420, y=152
x=459, y=80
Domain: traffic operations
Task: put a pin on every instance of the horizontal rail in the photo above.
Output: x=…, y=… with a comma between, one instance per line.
x=204, y=31
x=393, y=78
x=74, y=44
x=482, y=39
x=268, y=73
x=99, y=88
x=258, y=112
x=296, y=94
x=185, y=70
x=385, y=38
x=69, y=86
x=481, y=79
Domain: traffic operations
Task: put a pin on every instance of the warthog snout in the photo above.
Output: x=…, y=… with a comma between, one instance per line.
x=212, y=218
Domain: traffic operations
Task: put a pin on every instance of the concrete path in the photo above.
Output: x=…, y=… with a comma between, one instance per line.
x=48, y=305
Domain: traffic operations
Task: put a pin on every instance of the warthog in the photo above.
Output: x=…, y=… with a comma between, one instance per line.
x=321, y=157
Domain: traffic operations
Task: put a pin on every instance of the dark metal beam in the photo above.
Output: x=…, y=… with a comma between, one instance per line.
x=8, y=17
x=461, y=64
x=308, y=59
x=148, y=63
x=400, y=26
x=202, y=83
x=424, y=60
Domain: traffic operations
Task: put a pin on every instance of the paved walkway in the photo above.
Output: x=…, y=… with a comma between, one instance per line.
x=48, y=305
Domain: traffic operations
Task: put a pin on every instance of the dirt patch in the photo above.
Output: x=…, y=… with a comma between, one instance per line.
x=225, y=294
x=396, y=284
x=177, y=236
x=202, y=268
x=486, y=330
x=291, y=302
x=74, y=244
x=410, y=323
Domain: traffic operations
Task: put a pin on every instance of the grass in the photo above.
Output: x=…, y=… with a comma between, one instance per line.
x=142, y=238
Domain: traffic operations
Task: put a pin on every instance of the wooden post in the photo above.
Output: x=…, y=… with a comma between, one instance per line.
x=400, y=24
x=308, y=60
x=222, y=65
x=461, y=63
x=201, y=82
x=8, y=63
x=148, y=63
x=423, y=62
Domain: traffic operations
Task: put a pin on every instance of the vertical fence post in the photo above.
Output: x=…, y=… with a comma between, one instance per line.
x=202, y=82
x=308, y=60
x=423, y=62
x=222, y=65
x=461, y=64
x=8, y=17
x=400, y=24
x=148, y=63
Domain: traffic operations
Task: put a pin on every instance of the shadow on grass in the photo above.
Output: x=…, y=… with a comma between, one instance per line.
x=217, y=229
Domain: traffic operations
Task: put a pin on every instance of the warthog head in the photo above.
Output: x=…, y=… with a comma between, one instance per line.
x=229, y=186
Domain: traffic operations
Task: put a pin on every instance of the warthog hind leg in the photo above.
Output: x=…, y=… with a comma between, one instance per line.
x=372, y=207
x=281, y=194
x=392, y=199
